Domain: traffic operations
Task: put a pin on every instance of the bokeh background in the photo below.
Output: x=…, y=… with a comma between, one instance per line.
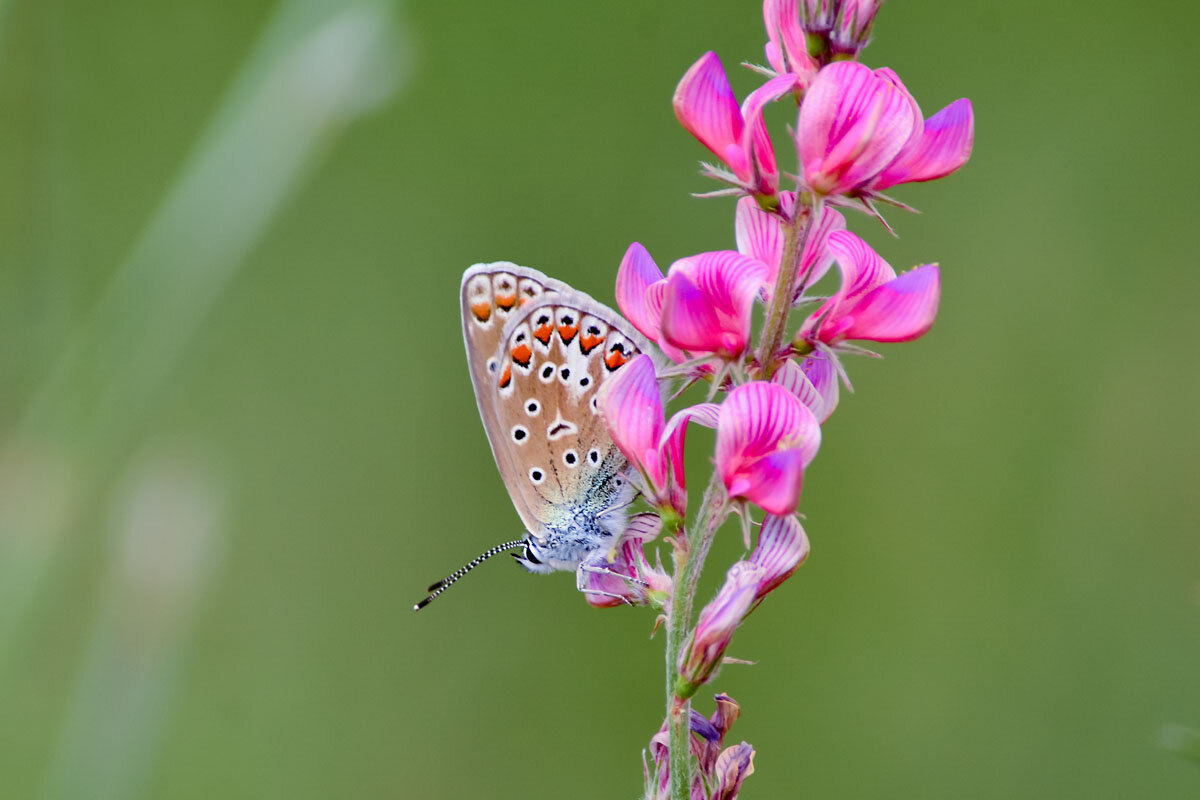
x=237, y=435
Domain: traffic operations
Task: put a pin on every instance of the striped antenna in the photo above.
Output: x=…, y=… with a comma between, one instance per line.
x=448, y=581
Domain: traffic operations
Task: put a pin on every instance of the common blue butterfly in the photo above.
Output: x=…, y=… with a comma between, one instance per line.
x=538, y=352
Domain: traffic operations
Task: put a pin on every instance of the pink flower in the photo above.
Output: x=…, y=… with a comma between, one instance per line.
x=760, y=235
x=705, y=742
x=707, y=303
x=706, y=107
x=632, y=409
x=650, y=584
x=853, y=123
x=873, y=303
x=765, y=439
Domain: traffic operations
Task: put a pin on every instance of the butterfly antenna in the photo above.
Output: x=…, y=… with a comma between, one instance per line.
x=448, y=581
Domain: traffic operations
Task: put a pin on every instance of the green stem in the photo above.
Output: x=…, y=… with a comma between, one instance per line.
x=781, y=297
x=690, y=560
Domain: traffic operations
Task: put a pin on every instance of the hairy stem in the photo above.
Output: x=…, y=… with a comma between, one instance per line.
x=798, y=229
x=691, y=554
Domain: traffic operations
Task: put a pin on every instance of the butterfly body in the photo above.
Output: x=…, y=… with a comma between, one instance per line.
x=538, y=352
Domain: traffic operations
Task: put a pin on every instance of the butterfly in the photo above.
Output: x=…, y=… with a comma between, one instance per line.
x=538, y=352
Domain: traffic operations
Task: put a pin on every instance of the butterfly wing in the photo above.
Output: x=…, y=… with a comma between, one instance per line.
x=538, y=351
x=557, y=351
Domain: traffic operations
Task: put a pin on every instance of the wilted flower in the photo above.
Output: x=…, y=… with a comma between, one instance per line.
x=873, y=303
x=765, y=439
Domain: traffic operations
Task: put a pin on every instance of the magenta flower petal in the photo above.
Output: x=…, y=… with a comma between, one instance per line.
x=944, y=146
x=689, y=321
x=772, y=482
x=898, y=311
x=716, y=623
x=817, y=257
x=781, y=549
x=632, y=410
x=823, y=375
x=853, y=122
x=756, y=143
x=636, y=275
x=786, y=49
x=821, y=400
x=708, y=302
x=707, y=109
x=759, y=234
x=862, y=270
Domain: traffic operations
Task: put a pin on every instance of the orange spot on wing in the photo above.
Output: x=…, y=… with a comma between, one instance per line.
x=506, y=301
x=521, y=354
x=544, y=333
x=506, y=376
x=588, y=343
x=614, y=359
x=567, y=332
x=482, y=311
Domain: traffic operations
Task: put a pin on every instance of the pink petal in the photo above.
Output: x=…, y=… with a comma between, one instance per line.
x=756, y=143
x=637, y=274
x=823, y=375
x=792, y=377
x=688, y=320
x=817, y=258
x=632, y=410
x=707, y=109
x=898, y=311
x=759, y=234
x=945, y=145
x=852, y=124
x=709, y=300
x=781, y=549
x=717, y=621
x=772, y=482
x=786, y=49
x=862, y=270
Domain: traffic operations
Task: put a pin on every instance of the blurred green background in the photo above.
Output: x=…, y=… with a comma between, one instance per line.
x=239, y=437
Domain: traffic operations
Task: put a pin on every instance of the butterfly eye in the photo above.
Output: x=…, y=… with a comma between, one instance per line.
x=594, y=406
x=570, y=458
x=519, y=433
x=594, y=456
x=547, y=373
x=565, y=372
x=585, y=381
x=493, y=365
x=537, y=476
x=532, y=408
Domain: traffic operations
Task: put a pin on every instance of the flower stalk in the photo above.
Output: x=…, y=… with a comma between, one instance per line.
x=808, y=209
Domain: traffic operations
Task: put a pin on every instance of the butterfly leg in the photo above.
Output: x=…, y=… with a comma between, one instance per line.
x=583, y=570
